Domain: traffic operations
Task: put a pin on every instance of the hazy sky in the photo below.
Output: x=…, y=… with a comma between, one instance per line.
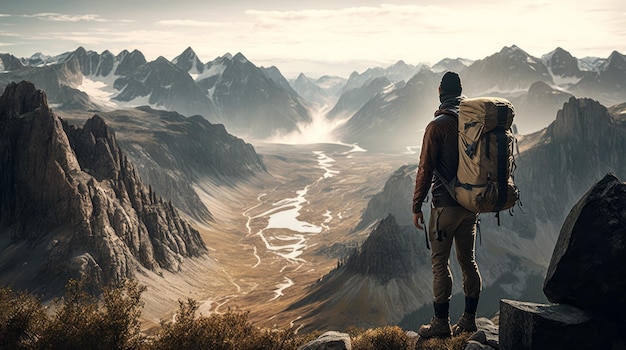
x=316, y=37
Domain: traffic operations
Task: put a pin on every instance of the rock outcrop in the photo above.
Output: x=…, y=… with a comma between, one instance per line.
x=582, y=280
x=591, y=252
x=73, y=206
x=525, y=326
x=329, y=341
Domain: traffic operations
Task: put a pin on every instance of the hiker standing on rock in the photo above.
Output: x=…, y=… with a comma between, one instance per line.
x=449, y=221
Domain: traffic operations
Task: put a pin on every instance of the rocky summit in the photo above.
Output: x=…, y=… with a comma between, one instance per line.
x=73, y=206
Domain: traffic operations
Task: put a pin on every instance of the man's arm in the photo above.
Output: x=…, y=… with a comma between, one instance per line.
x=428, y=160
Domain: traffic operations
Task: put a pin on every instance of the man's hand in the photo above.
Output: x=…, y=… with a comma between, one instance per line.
x=418, y=220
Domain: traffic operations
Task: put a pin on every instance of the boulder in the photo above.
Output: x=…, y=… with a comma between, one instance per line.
x=329, y=341
x=590, y=253
x=525, y=325
x=487, y=334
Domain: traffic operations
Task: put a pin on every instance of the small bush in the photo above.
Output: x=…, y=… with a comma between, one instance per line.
x=453, y=343
x=228, y=331
x=84, y=322
x=386, y=338
x=22, y=319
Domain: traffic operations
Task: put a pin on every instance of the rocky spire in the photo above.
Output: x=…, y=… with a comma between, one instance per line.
x=71, y=195
x=387, y=253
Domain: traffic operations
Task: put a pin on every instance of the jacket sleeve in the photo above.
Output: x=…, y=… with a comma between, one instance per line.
x=429, y=157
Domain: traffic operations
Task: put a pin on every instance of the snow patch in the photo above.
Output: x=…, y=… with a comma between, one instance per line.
x=99, y=92
x=216, y=69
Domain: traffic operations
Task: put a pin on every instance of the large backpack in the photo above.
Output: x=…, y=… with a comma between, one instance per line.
x=484, y=180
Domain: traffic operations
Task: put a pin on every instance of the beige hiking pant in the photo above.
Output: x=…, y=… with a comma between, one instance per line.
x=459, y=225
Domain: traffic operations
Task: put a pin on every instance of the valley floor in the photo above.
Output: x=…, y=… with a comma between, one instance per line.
x=277, y=235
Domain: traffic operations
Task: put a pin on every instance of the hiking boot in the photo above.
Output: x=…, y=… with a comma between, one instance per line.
x=467, y=323
x=437, y=328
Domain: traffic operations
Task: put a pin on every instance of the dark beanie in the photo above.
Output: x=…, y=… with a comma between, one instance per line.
x=451, y=83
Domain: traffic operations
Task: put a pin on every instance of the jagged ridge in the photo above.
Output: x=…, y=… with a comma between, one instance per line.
x=71, y=197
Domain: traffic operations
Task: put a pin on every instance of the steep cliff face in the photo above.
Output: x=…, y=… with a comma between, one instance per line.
x=174, y=153
x=73, y=205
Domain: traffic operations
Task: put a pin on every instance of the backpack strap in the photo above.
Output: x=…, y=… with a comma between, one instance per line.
x=448, y=185
x=502, y=159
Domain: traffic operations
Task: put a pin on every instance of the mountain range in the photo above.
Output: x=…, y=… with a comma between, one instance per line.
x=256, y=102
x=229, y=89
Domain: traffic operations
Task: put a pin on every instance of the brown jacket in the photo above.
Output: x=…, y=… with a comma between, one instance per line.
x=439, y=151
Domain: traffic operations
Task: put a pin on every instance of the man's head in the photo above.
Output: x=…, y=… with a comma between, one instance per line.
x=450, y=84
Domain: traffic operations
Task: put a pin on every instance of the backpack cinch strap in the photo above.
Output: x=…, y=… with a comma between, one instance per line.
x=503, y=158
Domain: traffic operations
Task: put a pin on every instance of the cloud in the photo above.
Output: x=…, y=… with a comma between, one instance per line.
x=384, y=32
x=60, y=17
x=188, y=23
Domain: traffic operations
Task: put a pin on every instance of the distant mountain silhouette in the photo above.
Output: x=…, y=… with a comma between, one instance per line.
x=257, y=103
x=323, y=92
x=352, y=100
x=537, y=88
x=511, y=69
x=392, y=119
x=250, y=103
x=231, y=90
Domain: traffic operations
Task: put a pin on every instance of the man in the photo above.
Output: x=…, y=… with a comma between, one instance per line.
x=449, y=221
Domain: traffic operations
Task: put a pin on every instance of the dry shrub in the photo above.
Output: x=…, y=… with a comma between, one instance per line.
x=84, y=322
x=386, y=338
x=228, y=331
x=453, y=343
x=22, y=318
